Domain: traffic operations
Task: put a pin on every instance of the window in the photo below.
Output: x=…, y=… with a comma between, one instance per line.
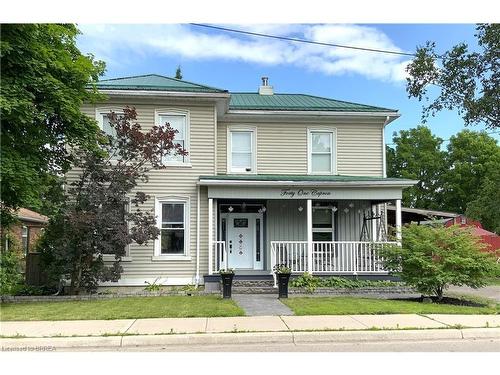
x=321, y=152
x=241, y=148
x=25, y=238
x=323, y=222
x=179, y=122
x=105, y=125
x=173, y=218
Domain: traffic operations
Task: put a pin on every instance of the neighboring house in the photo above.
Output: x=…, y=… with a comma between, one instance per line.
x=270, y=178
x=424, y=216
x=26, y=230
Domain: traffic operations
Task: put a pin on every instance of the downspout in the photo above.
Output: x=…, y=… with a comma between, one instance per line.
x=197, y=277
x=384, y=167
x=384, y=172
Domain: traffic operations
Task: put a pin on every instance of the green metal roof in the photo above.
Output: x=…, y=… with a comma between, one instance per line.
x=154, y=82
x=238, y=100
x=296, y=102
x=301, y=178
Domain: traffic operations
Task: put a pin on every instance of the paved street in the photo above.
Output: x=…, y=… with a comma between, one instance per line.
x=468, y=345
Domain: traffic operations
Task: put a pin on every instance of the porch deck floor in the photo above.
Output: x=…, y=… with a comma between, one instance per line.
x=261, y=304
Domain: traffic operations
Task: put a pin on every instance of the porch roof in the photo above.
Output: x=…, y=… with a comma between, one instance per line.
x=302, y=180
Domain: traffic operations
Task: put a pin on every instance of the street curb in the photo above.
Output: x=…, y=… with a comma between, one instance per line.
x=209, y=339
x=31, y=344
x=291, y=337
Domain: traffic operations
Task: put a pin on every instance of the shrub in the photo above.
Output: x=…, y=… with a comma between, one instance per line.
x=10, y=273
x=306, y=281
x=310, y=283
x=432, y=257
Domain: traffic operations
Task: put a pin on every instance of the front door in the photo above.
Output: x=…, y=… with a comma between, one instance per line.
x=244, y=240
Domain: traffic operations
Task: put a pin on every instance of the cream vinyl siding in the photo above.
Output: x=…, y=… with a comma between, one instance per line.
x=173, y=181
x=282, y=147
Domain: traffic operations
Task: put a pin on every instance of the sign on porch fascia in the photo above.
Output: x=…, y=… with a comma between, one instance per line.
x=305, y=193
x=288, y=193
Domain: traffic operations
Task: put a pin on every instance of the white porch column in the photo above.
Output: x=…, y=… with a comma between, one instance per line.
x=210, y=235
x=398, y=221
x=309, y=237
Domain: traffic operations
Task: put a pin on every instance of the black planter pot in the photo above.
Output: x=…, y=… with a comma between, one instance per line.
x=283, y=279
x=227, y=283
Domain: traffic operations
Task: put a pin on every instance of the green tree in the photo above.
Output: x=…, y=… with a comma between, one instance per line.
x=178, y=72
x=417, y=155
x=471, y=158
x=486, y=206
x=45, y=80
x=468, y=81
x=432, y=257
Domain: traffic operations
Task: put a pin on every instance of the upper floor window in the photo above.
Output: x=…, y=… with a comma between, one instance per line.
x=180, y=122
x=321, y=152
x=105, y=125
x=241, y=155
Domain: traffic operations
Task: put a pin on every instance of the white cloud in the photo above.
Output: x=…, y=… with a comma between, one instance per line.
x=117, y=44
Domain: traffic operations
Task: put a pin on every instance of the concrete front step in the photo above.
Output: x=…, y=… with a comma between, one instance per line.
x=254, y=290
x=253, y=283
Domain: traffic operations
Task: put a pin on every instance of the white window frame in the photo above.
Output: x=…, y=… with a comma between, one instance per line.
x=325, y=230
x=187, y=142
x=126, y=257
x=25, y=234
x=241, y=128
x=158, y=256
x=333, y=134
x=104, y=111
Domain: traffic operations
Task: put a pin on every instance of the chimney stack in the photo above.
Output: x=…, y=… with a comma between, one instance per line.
x=265, y=89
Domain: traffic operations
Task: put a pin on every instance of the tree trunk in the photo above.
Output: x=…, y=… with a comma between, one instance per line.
x=439, y=293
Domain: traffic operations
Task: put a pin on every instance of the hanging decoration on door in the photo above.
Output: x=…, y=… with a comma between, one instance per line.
x=240, y=244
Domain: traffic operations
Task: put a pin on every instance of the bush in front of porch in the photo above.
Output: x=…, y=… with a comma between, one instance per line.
x=433, y=257
x=310, y=283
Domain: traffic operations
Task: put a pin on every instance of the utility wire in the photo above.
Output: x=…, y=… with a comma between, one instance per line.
x=302, y=40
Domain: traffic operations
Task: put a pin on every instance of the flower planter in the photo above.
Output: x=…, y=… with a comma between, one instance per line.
x=227, y=283
x=283, y=279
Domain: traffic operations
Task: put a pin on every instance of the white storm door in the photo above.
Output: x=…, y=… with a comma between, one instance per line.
x=240, y=240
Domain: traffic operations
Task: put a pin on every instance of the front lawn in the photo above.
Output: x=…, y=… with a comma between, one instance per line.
x=352, y=305
x=122, y=308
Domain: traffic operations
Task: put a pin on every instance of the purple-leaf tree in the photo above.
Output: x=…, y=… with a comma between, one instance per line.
x=102, y=212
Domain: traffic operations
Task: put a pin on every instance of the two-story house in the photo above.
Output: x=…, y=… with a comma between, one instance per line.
x=269, y=179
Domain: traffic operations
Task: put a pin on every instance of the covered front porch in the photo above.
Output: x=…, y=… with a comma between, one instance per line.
x=317, y=224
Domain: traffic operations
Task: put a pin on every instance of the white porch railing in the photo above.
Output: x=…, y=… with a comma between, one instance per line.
x=220, y=258
x=347, y=257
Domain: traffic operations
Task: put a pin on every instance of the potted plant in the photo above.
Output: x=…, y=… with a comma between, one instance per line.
x=283, y=274
x=226, y=276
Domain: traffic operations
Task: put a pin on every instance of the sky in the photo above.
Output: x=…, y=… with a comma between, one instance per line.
x=236, y=62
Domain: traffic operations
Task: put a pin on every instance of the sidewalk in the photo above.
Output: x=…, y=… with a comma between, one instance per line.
x=169, y=326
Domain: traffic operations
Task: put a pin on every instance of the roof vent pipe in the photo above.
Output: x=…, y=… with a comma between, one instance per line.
x=265, y=89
